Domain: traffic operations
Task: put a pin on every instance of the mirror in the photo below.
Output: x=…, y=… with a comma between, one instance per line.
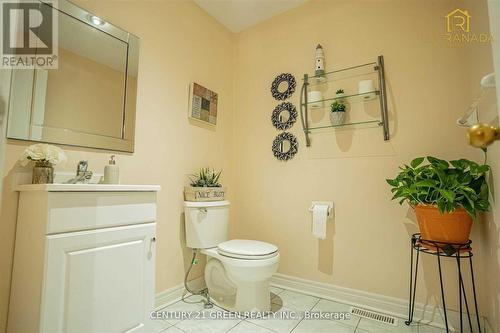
x=285, y=146
x=89, y=100
x=284, y=116
x=283, y=86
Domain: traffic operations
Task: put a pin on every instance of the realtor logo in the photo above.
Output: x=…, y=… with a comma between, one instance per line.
x=458, y=30
x=28, y=34
x=458, y=20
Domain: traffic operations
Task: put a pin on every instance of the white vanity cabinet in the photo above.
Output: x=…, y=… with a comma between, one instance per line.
x=84, y=259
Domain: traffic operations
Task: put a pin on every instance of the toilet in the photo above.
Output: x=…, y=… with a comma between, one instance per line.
x=238, y=271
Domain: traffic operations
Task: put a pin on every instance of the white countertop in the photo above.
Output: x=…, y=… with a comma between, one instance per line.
x=88, y=188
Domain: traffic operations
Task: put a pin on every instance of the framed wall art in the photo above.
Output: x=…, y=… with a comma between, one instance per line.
x=203, y=104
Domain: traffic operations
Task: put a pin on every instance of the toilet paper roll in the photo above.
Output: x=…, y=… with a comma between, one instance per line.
x=320, y=215
x=367, y=87
x=313, y=97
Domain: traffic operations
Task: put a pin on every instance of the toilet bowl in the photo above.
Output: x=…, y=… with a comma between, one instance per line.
x=238, y=271
x=237, y=274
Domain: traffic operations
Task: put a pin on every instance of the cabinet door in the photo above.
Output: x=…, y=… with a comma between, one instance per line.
x=99, y=280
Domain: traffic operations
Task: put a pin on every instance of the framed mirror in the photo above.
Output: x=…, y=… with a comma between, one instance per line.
x=284, y=116
x=283, y=86
x=90, y=99
x=285, y=146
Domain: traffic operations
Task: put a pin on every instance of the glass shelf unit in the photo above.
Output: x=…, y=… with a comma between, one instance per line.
x=364, y=97
x=368, y=68
x=365, y=122
x=365, y=69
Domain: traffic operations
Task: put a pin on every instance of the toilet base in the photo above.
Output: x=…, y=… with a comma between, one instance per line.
x=239, y=285
x=252, y=297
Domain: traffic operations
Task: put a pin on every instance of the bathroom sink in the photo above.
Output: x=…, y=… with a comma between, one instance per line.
x=59, y=187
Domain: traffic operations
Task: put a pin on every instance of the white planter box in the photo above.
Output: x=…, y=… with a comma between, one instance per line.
x=204, y=193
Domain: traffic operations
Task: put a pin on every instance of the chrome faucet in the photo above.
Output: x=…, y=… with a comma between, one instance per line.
x=82, y=175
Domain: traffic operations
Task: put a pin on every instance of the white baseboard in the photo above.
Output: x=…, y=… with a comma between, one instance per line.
x=425, y=314
x=174, y=294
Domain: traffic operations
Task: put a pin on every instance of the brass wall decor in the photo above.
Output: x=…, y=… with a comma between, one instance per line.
x=482, y=135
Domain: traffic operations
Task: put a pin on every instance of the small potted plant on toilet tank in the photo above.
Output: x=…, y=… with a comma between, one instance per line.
x=446, y=196
x=205, y=186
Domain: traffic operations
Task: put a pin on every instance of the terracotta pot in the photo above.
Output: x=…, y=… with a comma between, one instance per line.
x=452, y=227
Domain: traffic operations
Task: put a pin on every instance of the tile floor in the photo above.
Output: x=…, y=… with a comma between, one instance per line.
x=282, y=301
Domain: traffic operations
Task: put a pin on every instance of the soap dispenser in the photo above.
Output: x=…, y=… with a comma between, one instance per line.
x=111, y=172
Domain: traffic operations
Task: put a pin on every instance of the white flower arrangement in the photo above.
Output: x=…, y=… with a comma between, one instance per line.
x=44, y=153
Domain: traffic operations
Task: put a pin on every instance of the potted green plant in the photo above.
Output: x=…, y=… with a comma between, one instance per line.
x=205, y=186
x=337, y=114
x=339, y=93
x=447, y=196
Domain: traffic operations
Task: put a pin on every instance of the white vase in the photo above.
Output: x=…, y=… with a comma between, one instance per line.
x=337, y=118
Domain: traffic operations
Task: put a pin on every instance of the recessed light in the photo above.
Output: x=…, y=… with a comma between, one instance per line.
x=97, y=21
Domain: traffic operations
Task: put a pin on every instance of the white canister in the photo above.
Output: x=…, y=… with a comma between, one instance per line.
x=315, y=99
x=367, y=87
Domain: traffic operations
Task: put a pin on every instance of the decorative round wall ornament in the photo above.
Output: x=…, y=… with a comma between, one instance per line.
x=285, y=146
x=284, y=116
x=283, y=86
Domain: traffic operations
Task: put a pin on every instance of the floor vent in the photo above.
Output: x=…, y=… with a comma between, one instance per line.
x=380, y=317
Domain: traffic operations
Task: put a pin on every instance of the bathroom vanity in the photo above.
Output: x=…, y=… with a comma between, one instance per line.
x=84, y=258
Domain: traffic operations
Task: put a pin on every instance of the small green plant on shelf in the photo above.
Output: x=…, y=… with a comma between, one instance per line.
x=337, y=114
x=339, y=94
x=206, y=177
x=337, y=107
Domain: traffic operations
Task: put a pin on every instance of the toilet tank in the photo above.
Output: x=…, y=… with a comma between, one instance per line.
x=206, y=223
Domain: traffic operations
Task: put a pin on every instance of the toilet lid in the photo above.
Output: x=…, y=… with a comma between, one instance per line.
x=247, y=249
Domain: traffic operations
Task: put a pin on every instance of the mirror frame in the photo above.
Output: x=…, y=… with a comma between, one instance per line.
x=277, y=120
x=283, y=77
x=71, y=137
x=278, y=144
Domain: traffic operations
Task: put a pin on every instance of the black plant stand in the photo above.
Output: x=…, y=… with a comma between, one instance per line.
x=446, y=250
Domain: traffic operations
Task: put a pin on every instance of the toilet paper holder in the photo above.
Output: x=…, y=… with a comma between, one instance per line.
x=326, y=203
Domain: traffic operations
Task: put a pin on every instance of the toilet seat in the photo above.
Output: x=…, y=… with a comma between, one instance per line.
x=247, y=249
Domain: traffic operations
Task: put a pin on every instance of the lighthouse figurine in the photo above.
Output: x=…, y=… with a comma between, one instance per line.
x=320, y=62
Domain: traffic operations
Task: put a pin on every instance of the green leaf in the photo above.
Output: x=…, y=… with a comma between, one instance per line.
x=447, y=194
x=438, y=162
x=392, y=182
x=416, y=162
x=426, y=183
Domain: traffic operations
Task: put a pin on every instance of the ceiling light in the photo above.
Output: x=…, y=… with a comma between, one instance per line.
x=96, y=20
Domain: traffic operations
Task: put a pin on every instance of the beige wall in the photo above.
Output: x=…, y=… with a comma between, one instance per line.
x=179, y=43
x=367, y=246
